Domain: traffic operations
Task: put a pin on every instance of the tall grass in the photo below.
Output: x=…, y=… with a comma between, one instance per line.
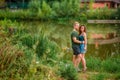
x=93, y=63
x=110, y=65
x=13, y=61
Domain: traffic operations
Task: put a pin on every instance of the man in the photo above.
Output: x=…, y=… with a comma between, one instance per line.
x=75, y=45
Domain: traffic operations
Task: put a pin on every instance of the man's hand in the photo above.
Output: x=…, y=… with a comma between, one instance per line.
x=82, y=42
x=85, y=47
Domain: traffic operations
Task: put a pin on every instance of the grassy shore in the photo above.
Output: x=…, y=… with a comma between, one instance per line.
x=26, y=56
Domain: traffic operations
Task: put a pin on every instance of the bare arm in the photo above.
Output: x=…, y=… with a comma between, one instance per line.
x=85, y=38
x=76, y=41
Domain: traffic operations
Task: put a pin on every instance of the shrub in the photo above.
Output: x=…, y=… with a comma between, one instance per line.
x=42, y=45
x=13, y=61
x=46, y=48
x=34, y=7
x=46, y=11
x=39, y=10
x=68, y=71
x=118, y=14
x=103, y=13
x=28, y=40
x=66, y=8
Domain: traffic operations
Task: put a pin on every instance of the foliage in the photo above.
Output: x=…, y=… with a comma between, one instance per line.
x=111, y=65
x=99, y=76
x=118, y=14
x=68, y=71
x=59, y=9
x=19, y=14
x=27, y=54
x=39, y=9
x=45, y=48
x=93, y=63
x=104, y=13
x=117, y=76
x=66, y=8
x=28, y=40
x=34, y=6
x=46, y=11
x=18, y=50
x=13, y=61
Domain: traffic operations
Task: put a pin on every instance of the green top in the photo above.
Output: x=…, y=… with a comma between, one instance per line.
x=74, y=34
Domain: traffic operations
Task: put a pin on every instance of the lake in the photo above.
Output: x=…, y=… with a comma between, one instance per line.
x=103, y=39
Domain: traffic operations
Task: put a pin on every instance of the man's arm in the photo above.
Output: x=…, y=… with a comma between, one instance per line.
x=77, y=41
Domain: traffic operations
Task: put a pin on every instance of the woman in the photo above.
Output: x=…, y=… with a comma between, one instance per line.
x=83, y=46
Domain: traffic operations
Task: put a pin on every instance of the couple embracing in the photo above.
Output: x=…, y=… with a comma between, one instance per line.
x=79, y=45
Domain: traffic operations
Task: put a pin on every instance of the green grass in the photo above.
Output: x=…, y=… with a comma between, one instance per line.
x=33, y=54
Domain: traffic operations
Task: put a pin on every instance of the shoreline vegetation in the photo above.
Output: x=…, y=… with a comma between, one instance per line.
x=26, y=56
x=59, y=11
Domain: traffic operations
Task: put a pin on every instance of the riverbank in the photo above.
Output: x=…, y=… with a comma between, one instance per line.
x=31, y=51
x=104, y=21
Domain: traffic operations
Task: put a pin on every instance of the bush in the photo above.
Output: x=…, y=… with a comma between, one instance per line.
x=46, y=48
x=40, y=10
x=46, y=11
x=68, y=71
x=13, y=61
x=67, y=8
x=103, y=13
x=42, y=45
x=28, y=40
x=118, y=14
x=34, y=7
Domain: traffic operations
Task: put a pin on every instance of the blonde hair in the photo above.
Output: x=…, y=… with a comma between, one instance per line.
x=76, y=23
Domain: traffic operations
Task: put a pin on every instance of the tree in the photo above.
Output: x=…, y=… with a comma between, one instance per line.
x=67, y=8
x=34, y=7
x=46, y=10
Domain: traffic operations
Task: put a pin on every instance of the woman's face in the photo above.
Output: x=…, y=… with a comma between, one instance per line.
x=82, y=29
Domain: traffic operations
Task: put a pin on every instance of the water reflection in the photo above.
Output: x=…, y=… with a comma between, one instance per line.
x=104, y=50
x=104, y=45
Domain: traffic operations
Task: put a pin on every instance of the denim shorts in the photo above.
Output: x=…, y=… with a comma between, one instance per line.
x=76, y=50
x=82, y=50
